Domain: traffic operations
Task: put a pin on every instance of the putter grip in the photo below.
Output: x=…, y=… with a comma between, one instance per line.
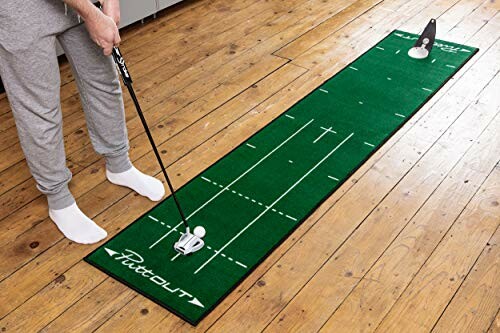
x=120, y=63
x=117, y=56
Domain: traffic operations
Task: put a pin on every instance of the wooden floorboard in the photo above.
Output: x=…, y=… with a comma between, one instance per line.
x=474, y=304
x=409, y=243
x=436, y=283
x=417, y=236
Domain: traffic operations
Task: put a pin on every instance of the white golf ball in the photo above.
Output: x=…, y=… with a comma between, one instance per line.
x=199, y=231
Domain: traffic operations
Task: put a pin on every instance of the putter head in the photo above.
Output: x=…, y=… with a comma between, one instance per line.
x=424, y=44
x=188, y=243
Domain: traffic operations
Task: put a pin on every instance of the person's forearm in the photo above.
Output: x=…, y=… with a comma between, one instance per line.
x=84, y=8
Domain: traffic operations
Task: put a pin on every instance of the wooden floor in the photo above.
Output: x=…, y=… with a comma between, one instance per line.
x=409, y=244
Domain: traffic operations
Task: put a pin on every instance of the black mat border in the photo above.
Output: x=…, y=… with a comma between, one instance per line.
x=285, y=237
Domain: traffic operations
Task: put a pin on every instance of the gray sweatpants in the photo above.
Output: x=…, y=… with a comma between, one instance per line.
x=30, y=72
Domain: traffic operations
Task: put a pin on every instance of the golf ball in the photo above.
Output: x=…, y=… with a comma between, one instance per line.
x=199, y=231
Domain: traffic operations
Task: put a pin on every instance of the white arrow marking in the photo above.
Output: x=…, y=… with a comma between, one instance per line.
x=110, y=252
x=196, y=302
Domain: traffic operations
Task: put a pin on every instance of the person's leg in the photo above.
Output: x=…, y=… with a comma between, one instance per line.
x=102, y=101
x=32, y=82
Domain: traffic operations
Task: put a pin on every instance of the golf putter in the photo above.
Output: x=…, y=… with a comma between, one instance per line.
x=424, y=44
x=189, y=242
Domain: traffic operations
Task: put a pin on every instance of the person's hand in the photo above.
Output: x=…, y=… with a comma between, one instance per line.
x=103, y=31
x=111, y=8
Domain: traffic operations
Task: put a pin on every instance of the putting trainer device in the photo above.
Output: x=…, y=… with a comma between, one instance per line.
x=424, y=44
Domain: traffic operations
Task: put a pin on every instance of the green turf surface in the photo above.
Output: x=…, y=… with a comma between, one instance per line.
x=250, y=200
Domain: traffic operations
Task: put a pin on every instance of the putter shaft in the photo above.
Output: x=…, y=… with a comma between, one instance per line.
x=127, y=80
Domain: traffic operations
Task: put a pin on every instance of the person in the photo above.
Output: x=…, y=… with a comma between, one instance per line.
x=30, y=72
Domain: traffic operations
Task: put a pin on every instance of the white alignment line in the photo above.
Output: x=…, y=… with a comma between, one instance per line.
x=400, y=115
x=328, y=129
x=369, y=144
x=239, y=263
x=234, y=181
x=178, y=254
x=250, y=199
x=398, y=51
x=433, y=61
x=319, y=137
x=427, y=89
x=324, y=133
x=451, y=66
x=152, y=218
x=354, y=68
x=291, y=117
x=274, y=203
x=336, y=179
x=323, y=90
x=380, y=48
x=251, y=146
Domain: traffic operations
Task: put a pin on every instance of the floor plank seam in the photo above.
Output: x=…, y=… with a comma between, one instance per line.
x=493, y=322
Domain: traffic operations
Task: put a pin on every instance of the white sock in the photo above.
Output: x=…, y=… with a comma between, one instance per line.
x=143, y=184
x=76, y=226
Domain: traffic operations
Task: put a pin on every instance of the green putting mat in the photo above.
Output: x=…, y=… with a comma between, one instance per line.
x=254, y=197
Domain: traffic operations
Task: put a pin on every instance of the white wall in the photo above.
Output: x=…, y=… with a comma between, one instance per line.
x=135, y=10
